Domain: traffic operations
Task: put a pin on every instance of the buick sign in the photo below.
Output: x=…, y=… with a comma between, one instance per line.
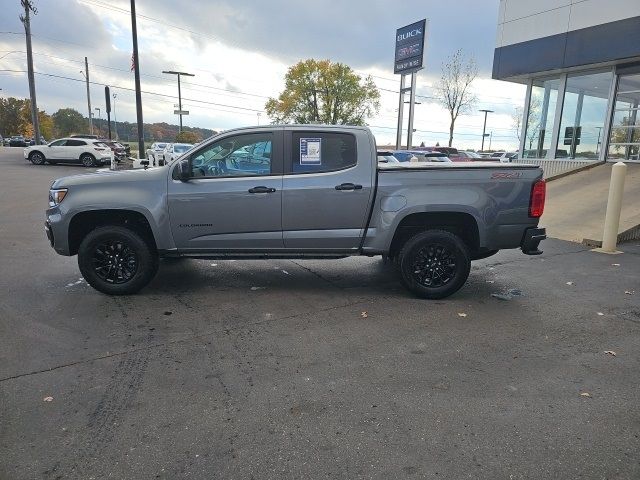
x=409, y=47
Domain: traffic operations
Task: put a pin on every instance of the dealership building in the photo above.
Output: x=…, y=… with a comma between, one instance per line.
x=580, y=61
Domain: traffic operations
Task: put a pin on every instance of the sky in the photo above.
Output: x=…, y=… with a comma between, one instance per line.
x=240, y=50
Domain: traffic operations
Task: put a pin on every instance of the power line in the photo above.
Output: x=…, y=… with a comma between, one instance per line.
x=142, y=91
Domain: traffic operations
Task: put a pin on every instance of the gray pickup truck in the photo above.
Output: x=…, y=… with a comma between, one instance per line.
x=295, y=191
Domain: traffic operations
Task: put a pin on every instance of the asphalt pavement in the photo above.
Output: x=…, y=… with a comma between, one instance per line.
x=313, y=369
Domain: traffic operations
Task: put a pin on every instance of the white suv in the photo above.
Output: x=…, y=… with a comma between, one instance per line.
x=88, y=152
x=154, y=151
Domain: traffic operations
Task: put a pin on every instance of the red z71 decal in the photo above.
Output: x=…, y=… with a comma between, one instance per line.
x=506, y=175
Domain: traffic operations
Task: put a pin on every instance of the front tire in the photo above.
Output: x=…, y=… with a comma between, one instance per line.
x=36, y=158
x=116, y=261
x=434, y=264
x=88, y=160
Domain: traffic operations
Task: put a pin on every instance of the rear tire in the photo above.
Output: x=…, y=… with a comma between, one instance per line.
x=434, y=264
x=37, y=158
x=116, y=261
x=88, y=160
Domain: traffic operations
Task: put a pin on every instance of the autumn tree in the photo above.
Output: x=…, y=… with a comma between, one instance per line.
x=320, y=91
x=454, y=87
x=186, y=136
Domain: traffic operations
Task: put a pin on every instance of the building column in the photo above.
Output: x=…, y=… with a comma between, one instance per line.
x=525, y=119
x=608, y=122
x=557, y=120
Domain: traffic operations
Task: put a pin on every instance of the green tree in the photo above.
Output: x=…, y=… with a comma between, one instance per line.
x=10, y=116
x=187, y=137
x=68, y=121
x=454, y=87
x=319, y=91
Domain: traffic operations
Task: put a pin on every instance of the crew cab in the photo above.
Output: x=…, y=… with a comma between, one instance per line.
x=295, y=191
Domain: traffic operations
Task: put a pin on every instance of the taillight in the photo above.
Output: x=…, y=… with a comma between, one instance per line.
x=536, y=203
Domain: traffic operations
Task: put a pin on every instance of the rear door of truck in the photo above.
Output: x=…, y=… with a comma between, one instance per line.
x=328, y=187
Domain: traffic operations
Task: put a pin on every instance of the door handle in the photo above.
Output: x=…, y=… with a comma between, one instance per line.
x=348, y=186
x=262, y=189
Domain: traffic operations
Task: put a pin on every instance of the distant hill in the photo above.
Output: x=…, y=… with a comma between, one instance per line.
x=163, y=132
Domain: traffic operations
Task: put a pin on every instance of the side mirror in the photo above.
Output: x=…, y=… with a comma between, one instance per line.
x=184, y=170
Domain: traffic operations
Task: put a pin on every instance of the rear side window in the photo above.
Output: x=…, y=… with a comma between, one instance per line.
x=75, y=143
x=313, y=152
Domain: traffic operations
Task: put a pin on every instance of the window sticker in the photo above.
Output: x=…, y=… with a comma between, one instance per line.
x=310, y=151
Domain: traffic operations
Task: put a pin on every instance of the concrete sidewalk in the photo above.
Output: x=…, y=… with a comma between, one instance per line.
x=576, y=204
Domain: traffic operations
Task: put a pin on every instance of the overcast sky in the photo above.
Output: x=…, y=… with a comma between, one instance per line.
x=240, y=50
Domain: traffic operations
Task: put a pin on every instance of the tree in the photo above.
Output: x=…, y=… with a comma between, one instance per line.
x=319, y=91
x=10, y=118
x=68, y=121
x=454, y=87
x=516, y=121
x=187, y=137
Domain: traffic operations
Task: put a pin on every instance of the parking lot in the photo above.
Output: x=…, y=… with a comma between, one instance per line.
x=313, y=369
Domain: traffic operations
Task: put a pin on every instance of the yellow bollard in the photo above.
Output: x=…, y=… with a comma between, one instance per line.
x=614, y=206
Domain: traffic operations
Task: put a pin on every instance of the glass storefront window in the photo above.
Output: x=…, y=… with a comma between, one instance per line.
x=624, y=143
x=584, y=111
x=542, y=106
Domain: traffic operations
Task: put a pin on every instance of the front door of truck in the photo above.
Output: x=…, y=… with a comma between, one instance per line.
x=233, y=199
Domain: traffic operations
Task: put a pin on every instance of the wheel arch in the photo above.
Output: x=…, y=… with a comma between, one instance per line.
x=84, y=222
x=463, y=224
x=36, y=151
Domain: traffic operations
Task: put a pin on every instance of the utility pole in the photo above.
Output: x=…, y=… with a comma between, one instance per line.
x=86, y=77
x=179, y=112
x=136, y=71
x=484, y=128
x=28, y=7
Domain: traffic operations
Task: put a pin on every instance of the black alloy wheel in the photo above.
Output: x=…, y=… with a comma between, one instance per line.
x=114, y=261
x=117, y=260
x=434, y=264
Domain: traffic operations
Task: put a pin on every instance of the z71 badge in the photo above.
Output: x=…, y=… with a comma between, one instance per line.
x=506, y=175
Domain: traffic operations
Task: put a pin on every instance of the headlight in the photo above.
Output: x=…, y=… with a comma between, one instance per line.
x=56, y=195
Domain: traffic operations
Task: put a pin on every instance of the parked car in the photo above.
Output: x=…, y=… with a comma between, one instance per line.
x=470, y=156
x=88, y=152
x=82, y=135
x=153, y=152
x=296, y=191
x=118, y=150
x=430, y=157
x=506, y=157
x=18, y=141
x=173, y=151
x=386, y=157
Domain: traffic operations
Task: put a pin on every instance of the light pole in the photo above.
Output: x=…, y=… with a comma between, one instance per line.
x=484, y=127
x=171, y=72
x=99, y=117
x=115, y=120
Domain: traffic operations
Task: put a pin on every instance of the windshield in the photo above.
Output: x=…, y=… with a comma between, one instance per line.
x=181, y=148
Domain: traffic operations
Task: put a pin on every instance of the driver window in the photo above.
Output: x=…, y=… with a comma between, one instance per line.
x=239, y=156
x=57, y=143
